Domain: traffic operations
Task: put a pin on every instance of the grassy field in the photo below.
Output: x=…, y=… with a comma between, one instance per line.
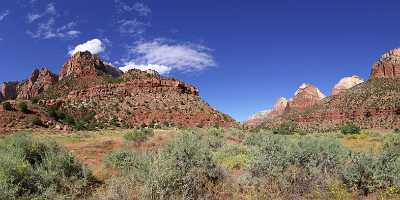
x=231, y=163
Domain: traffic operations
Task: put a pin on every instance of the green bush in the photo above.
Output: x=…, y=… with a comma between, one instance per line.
x=215, y=137
x=350, y=129
x=297, y=165
x=139, y=135
x=397, y=130
x=23, y=107
x=33, y=169
x=287, y=128
x=55, y=113
x=233, y=157
x=132, y=163
x=185, y=168
x=36, y=121
x=35, y=100
x=361, y=173
x=7, y=106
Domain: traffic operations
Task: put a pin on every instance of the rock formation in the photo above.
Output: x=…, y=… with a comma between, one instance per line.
x=260, y=117
x=40, y=80
x=84, y=64
x=388, y=66
x=306, y=96
x=371, y=104
x=346, y=83
x=9, y=90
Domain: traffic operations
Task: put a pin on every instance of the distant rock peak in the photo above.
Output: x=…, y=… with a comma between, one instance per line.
x=388, y=65
x=310, y=89
x=83, y=64
x=346, y=83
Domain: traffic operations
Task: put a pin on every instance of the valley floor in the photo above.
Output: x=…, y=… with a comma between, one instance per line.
x=233, y=164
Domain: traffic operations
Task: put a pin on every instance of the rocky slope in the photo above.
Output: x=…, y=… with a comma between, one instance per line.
x=87, y=85
x=388, y=66
x=260, y=117
x=346, y=83
x=371, y=104
x=306, y=96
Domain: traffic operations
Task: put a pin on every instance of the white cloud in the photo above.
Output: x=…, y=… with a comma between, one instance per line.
x=162, y=69
x=132, y=27
x=171, y=56
x=94, y=46
x=4, y=14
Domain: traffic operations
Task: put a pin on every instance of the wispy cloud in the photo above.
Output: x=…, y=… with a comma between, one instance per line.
x=132, y=27
x=4, y=14
x=138, y=7
x=165, y=56
x=50, y=10
x=132, y=18
x=94, y=46
x=46, y=26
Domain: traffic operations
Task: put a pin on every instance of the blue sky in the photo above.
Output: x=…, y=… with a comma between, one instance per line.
x=242, y=55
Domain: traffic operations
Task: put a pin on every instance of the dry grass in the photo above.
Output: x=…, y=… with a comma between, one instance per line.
x=91, y=147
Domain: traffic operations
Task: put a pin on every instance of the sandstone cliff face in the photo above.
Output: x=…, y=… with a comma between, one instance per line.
x=40, y=80
x=346, y=83
x=371, y=104
x=306, y=96
x=262, y=116
x=388, y=66
x=84, y=64
x=9, y=90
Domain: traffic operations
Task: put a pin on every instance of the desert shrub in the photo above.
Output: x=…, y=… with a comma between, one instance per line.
x=350, y=129
x=33, y=169
x=185, y=168
x=297, y=165
x=35, y=100
x=397, y=130
x=7, y=106
x=286, y=128
x=233, y=156
x=361, y=173
x=132, y=163
x=36, y=121
x=139, y=135
x=238, y=133
x=215, y=137
x=23, y=107
x=55, y=113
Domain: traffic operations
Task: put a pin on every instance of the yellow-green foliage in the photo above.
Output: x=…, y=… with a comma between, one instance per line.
x=233, y=156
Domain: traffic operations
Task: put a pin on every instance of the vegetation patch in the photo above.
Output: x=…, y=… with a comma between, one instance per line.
x=33, y=169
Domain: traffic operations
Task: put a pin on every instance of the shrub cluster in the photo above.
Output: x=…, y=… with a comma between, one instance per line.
x=139, y=135
x=23, y=107
x=84, y=123
x=32, y=169
x=287, y=128
x=350, y=129
x=184, y=169
x=7, y=106
x=297, y=165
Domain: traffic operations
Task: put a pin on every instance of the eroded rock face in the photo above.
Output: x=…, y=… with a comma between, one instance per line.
x=38, y=82
x=262, y=116
x=84, y=64
x=9, y=90
x=346, y=83
x=388, y=66
x=306, y=96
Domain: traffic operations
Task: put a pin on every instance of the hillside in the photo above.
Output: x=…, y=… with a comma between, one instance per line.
x=88, y=88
